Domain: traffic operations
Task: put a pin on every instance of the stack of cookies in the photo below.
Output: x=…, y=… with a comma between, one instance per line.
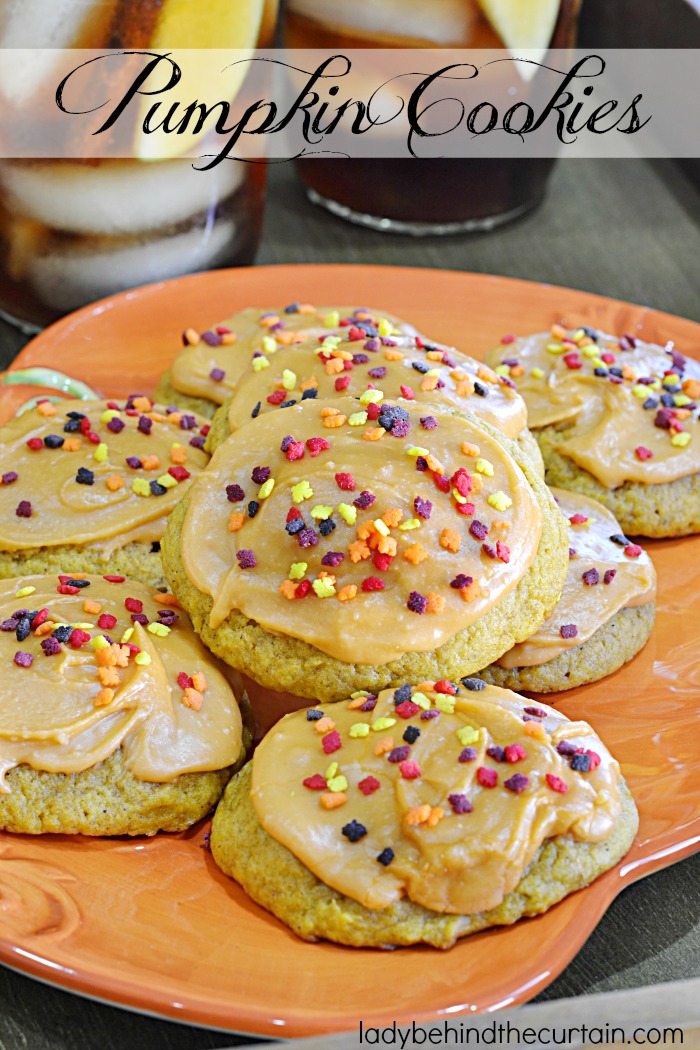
x=372, y=558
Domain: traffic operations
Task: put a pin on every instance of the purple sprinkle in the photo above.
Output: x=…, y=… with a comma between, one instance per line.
x=517, y=783
x=512, y=362
x=361, y=359
x=565, y=747
x=421, y=463
x=428, y=422
x=23, y=659
x=11, y=476
x=369, y=704
x=246, y=559
x=9, y=625
x=401, y=428
x=51, y=646
x=426, y=716
x=489, y=551
x=610, y=575
x=145, y=424
x=478, y=530
x=422, y=507
x=386, y=341
x=116, y=425
x=24, y=509
x=468, y=754
x=332, y=558
x=568, y=630
x=260, y=475
x=234, y=493
x=591, y=577
x=188, y=422
x=286, y=442
x=364, y=500
x=197, y=441
x=140, y=618
x=572, y=553
x=372, y=344
x=417, y=603
x=461, y=581
x=399, y=754
x=536, y=712
x=307, y=537
x=217, y=375
x=134, y=462
x=377, y=373
x=167, y=617
x=460, y=803
x=212, y=339
x=496, y=753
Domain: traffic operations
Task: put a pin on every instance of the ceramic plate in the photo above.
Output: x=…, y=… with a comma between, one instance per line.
x=152, y=924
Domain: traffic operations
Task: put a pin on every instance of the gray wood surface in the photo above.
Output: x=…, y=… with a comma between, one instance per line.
x=625, y=229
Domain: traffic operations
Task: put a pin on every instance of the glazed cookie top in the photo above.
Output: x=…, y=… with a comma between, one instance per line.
x=351, y=362
x=398, y=526
x=213, y=361
x=607, y=572
x=633, y=406
x=92, y=663
x=89, y=472
x=437, y=792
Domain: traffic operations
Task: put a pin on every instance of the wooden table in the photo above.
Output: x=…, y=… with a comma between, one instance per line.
x=625, y=229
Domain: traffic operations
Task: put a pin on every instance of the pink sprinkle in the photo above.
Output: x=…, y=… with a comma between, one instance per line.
x=295, y=450
x=369, y=785
x=578, y=519
x=78, y=638
x=407, y=392
x=515, y=753
x=134, y=605
x=409, y=769
x=643, y=453
x=315, y=783
x=506, y=339
x=633, y=550
x=557, y=784
x=488, y=778
x=331, y=742
x=23, y=659
x=106, y=622
x=407, y=709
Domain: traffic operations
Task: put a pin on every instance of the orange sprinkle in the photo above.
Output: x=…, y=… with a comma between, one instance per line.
x=435, y=465
x=228, y=338
x=324, y=725
x=477, y=482
x=429, y=383
x=457, y=374
x=46, y=408
x=166, y=599
x=470, y=450
x=535, y=729
x=72, y=444
x=193, y=699
x=44, y=628
x=486, y=374
x=334, y=366
x=683, y=413
x=471, y=592
x=425, y=687
x=392, y=517
x=334, y=421
x=122, y=655
x=435, y=355
x=347, y=593
x=450, y=540
x=157, y=417
x=501, y=526
x=333, y=799
x=436, y=603
x=178, y=455
x=288, y=589
x=517, y=370
x=465, y=388
x=306, y=308
x=267, y=322
x=191, y=337
x=104, y=697
x=387, y=545
x=417, y=815
x=374, y=434
x=691, y=387
x=308, y=384
x=384, y=745
x=374, y=541
x=114, y=482
x=365, y=529
x=105, y=656
x=558, y=332
x=415, y=554
x=150, y=463
x=329, y=411
x=108, y=676
x=142, y=404
x=393, y=355
x=174, y=417
x=359, y=551
x=628, y=373
x=285, y=338
x=91, y=606
x=436, y=815
x=199, y=682
x=356, y=703
x=235, y=521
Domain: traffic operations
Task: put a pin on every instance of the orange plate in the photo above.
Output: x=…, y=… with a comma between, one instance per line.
x=152, y=924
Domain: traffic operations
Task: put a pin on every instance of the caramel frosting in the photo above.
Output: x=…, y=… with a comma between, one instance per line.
x=268, y=358
x=398, y=526
x=96, y=473
x=606, y=573
x=631, y=407
x=95, y=663
x=439, y=793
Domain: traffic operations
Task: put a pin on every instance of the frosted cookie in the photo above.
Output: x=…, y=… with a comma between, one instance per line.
x=604, y=616
x=617, y=420
x=422, y=815
x=328, y=549
x=114, y=718
x=87, y=486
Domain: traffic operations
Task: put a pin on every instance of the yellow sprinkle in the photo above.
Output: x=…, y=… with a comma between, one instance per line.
x=656, y=385
x=360, y=692
x=266, y=488
x=598, y=362
x=99, y=642
x=381, y=527
x=371, y=397
x=108, y=415
x=332, y=319
x=301, y=491
x=499, y=501
x=142, y=659
x=167, y=481
x=385, y=326
x=24, y=591
x=555, y=348
x=578, y=335
x=297, y=570
x=458, y=496
x=414, y=451
x=101, y=453
x=331, y=341
x=537, y=373
x=289, y=379
x=445, y=704
x=259, y=363
x=409, y=524
x=640, y=391
x=433, y=372
x=269, y=346
x=337, y=784
x=467, y=735
x=681, y=440
x=127, y=635
x=359, y=729
x=331, y=771
x=483, y=466
x=422, y=700
x=670, y=380
x=323, y=588
x=357, y=419
x=321, y=513
x=383, y=723
x=681, y=400
x=159, y=629
x=590, y=351
x=348, y=513
x=141, y=487
x=502, y=370
x=84, y=626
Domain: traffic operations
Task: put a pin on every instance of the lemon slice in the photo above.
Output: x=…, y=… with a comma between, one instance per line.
x=523, y=24
x=188, y=25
